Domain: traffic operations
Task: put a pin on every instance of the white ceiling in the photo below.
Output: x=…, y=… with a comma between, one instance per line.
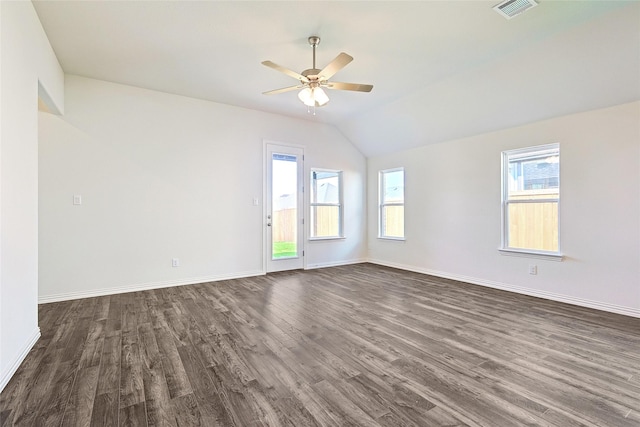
x=440, y=69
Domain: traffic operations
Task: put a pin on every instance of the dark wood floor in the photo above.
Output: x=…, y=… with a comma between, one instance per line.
x=357, y=345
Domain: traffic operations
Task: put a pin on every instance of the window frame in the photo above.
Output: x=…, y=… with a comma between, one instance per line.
x=506, y=156
x=382, y=204
x=339, y=205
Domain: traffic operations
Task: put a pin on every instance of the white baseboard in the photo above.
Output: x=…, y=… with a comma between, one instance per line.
x=15, y=364
x=65, y=296
x=334, y=264
x=611, y=308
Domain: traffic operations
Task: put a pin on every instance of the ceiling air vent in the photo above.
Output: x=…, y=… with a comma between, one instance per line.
x=511, y=8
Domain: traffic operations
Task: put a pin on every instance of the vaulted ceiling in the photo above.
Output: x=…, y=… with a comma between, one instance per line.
x=440, y=69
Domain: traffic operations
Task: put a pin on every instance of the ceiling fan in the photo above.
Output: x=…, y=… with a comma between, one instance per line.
x=313, y=80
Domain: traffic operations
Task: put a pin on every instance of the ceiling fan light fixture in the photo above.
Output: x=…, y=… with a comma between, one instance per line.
x=320, y=96
x=313, y=97
x=306, y=97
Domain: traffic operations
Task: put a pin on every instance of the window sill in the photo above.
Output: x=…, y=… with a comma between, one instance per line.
x=551, y=256
x=316, y=239
x=398, y=239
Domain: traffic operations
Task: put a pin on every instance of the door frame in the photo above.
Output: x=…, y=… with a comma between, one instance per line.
x=268, y=146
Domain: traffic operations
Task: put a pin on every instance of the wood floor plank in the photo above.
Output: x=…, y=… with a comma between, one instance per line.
x=79, y=409
x=109, y=376
x=131, y=382
x=27, y=407
x=175, y=375
x=133, y=415
x=156, y=392
x=186, y=411
x=102, y=308
x=560, y=418
x=16, y=391
x=114, y=318
x=342, y=407
x=581, y=401
x=279, y=384
x=92, y=350
x=356, y=345
x=212, y=407
x=6, y=417
x=106, y=409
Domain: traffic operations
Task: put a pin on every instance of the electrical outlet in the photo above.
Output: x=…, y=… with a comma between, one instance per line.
x=77, y=199
x=175, y=262
x=533, y=269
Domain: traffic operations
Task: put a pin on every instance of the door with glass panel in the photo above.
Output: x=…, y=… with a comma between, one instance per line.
x=284, y=208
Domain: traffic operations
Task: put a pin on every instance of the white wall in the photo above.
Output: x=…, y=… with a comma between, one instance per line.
x=27, y=63
x=453, y=210
x=164, y=176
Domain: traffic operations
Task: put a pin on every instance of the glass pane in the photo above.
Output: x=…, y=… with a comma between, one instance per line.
x=325, y=221
x=536, y=175
x=393, y=221
x=284, y=224
x=393, y=187
x=325, y=187
x=533, y=226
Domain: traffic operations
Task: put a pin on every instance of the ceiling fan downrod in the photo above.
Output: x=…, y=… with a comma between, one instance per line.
x=314, y=41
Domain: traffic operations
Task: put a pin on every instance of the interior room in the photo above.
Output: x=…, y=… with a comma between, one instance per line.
x=320, y=213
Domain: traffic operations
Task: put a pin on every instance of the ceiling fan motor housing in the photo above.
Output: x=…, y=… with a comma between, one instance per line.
x=311, y=73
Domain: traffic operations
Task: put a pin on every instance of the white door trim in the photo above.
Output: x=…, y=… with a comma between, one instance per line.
x=291, y=263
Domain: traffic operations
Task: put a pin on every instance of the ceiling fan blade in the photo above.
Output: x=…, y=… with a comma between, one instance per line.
x=287, y=71
x=284, y=89
x=349, y=86
x=336, y=65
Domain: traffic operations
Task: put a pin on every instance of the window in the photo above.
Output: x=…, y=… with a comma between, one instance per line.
x=530, y=200
x=326, y=204
x=391, y=215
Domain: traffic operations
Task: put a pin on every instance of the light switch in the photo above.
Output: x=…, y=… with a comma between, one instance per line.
x=255, y=201
x=77, y=199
